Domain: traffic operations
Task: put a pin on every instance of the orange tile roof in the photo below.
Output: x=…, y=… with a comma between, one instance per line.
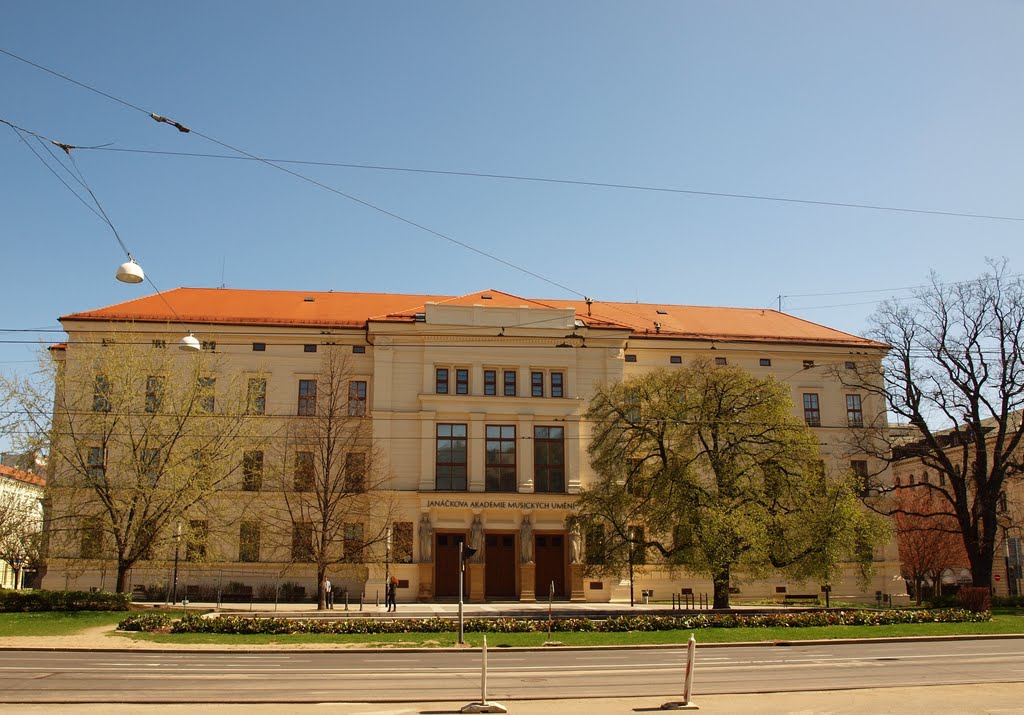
x=22, y=476
x=229, y=306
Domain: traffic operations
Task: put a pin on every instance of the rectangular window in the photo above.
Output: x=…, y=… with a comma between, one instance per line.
x=91, y=542
x=160, y=344
x=259, y=347
x=101, y=394
x=490, y=382
x=549, y=459
x=256, y=398
x=632, y=406
x=859, y=467
x=195, y=545
x=355, y=472
x=500, y=458
x=637, y=548
x=252, y=471
x=812, y=411
x=721, y=361
x=96, y=463
x=357, y=398
x=675, y=359
x=304, y=471
x=302, y=542
x=249, y=542
x=537, y=384
x=205, y=388
x=441, y=381
x=854, y=411
x=461, y=381
x=149, y=465
x=510, y=383
x=450, y=474
x=808, y=364
x=309, y=348
x=359, y=349
x=765, y=362
x=307, y=398
x=631, y=358
x=354, y=542
x=595, y=546
x=154, y=393
x=210, y=345
x=557, y=384
x=401, y=542
x=850, y=365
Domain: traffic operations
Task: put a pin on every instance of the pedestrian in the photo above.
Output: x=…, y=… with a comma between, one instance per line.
x=328, y=594
x=391, y=598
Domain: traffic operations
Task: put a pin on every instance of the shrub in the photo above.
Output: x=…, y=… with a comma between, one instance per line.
x=12, y=601
x=148, y=622
x=975, y=598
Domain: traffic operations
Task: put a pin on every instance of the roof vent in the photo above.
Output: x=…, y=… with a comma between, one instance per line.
x=308, y=299
x=486, y=296
x=662, y=312
x=420, y=317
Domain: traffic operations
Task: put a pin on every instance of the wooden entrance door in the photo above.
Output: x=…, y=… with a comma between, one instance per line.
x=549, y=553
x=500, y=569
x=446, y=565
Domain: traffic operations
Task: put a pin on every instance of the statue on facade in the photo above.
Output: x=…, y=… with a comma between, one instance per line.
x=476, y=539
x=426, y=539
x=575, y=542
x=526, y=541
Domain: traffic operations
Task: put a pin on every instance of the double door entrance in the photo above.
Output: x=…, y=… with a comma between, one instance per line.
x=501, y=573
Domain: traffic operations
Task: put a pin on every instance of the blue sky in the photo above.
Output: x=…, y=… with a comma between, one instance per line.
x=911, y=104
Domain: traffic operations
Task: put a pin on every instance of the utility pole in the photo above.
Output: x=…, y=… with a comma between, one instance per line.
x=177, y=549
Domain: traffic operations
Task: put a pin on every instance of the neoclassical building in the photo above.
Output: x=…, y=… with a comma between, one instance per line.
x=476, y=407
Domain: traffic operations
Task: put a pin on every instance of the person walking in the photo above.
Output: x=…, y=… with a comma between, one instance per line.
x=328, y=594
x=391, y=598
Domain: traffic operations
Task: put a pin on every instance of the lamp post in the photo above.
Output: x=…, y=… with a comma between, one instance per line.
x=177, y=549
x=387, y=561
x=465, y=552
x=630, y=553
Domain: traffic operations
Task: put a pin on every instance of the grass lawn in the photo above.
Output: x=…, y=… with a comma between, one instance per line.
x=56, y=623
x=1000, y=623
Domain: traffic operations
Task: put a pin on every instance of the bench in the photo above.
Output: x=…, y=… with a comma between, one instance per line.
x=806, y=598
x=241, y=594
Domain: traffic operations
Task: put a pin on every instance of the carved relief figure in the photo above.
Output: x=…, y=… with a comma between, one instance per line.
x=476, y=539
x=575, y=542
x=526, y=541
x=426, y=539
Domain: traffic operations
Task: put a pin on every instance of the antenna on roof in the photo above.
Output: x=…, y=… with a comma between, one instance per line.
x=223, y=262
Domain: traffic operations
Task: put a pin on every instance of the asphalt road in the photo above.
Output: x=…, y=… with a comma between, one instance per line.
x=441, y=675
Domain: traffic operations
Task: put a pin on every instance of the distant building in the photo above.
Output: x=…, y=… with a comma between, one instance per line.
x=21, y=519
x=476, y=403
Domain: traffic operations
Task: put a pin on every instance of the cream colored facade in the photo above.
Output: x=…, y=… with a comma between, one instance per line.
x=21, y=502
x=522, y=529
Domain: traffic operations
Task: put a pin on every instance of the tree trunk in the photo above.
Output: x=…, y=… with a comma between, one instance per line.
x=123, y=570
x=321, y=596
x=721, y=581
x=918, y=586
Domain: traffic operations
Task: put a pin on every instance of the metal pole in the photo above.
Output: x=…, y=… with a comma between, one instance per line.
x=551, y=597
x=630, y=568
x=462, y=640
x=686, y=704
x=177, y=549
x=483, y=676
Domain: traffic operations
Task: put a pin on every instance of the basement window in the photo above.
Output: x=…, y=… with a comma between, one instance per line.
x=359, y=349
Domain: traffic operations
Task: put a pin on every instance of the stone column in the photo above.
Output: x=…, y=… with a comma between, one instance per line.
x=476, y=583
x=576, y=583
x=528, y=582
x=426, y=590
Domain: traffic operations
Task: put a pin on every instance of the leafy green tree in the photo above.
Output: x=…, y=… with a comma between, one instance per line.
x=706, y=468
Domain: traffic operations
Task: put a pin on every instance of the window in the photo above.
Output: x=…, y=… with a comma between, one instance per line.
x=96, y=463
x=195, y=545
x=101, y=394
x=765, y=362
x=205, y=387
x=675, y=359
x=359, y=349
x=638, y=550
x=259, y=347
x=252, y=471
x=812, y=411
x=859, y=467
x=631, y=358
x=850, y=365
x=154, y=393
x=549, y=459
x=357, y=398
x=249, y=542
x=160, y=344
x=304, y=471
x=307, y=398
x=210, y=345
x=510, y=383
x=149, y=465
x=500, y=458
x=1003, y=506
x=302, y=541
x=309, y=348
x=353, y=542
x=441, y=381
x=808, y=364
x=461, y=381
x=91, y=542
x=401, y=542
x=450, y=474
x=557, y=384
x=721, y=361
x=256, y=398
x=355, y=472
x=632, y=406
x=595, y=545
x=490, y=382
x=854, y=411
x=537, y=384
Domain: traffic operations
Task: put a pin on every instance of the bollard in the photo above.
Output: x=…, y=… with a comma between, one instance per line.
x=686, y=703
x=361, y=595
x=346, y=600
x=483, y=706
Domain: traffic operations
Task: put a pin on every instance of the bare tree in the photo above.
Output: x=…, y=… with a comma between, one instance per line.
x=140, y=438
x=928, y=545
x=955, y=376
x=334, y=500
x=21, y=522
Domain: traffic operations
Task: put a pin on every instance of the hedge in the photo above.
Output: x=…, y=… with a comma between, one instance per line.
x=283, y=626
x=21, y=601
x=146, y=622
